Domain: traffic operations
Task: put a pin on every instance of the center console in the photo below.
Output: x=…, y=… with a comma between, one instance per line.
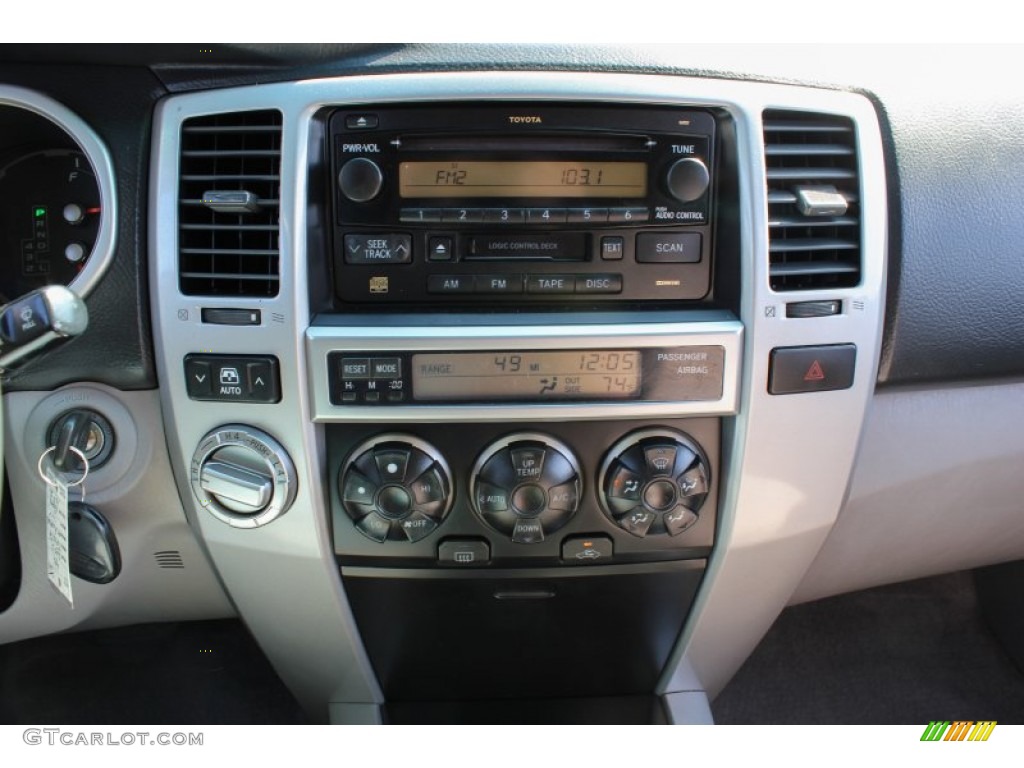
x=483, y=387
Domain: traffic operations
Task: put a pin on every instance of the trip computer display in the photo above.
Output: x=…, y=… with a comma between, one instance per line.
x=605, y=374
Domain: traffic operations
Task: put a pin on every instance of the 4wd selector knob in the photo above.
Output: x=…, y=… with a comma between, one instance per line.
x=395, y=487
x=526, y=486
x=242, y=476
x=654, y=482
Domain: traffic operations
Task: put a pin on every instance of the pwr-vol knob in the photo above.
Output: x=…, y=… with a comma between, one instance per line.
x=687, y=179
x=360, y=179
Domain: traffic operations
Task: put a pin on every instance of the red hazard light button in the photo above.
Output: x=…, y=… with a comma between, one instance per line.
x=811, y=369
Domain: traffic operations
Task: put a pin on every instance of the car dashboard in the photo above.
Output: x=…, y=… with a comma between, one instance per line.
x=503, y=375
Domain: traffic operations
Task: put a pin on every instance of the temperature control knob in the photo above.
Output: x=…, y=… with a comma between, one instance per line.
x=396, y=488
x=654, y=482
x=242, y=476
x=687, y=179
x=360, y=179
x=526, y=486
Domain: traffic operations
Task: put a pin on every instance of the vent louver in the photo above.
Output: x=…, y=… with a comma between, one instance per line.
x=813, y=201
x=169, y=558
x=228, y=204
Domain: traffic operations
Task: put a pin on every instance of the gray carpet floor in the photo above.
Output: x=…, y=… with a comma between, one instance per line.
x=902, y=654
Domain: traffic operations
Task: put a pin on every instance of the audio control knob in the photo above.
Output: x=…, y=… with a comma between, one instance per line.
x=654, y=482
x=396, y=488
x=360, y=179
x=526, y=486
x=687, y=179
x=242, y=476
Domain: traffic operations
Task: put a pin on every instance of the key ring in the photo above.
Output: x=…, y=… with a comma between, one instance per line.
x=48, y=481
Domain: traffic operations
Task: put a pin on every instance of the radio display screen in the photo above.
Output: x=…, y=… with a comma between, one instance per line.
x=536, y=376
x=536, y=179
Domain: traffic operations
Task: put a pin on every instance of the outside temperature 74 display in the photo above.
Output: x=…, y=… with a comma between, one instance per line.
x=579, y=374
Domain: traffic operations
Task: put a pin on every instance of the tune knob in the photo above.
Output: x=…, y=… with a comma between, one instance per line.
x=360, y=179
x=242, y=476
x=687, y=179
x=526, y=486
x=654, y=482
x=396, y=488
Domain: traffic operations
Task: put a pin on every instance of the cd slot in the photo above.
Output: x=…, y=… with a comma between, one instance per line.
x=538, y=247
x=551, y=143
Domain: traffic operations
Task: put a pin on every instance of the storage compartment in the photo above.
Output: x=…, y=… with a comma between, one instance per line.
x=571, y=632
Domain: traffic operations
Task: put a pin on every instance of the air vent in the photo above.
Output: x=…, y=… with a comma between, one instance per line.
x=169, y=558
x=228, y=205
x=813, y=201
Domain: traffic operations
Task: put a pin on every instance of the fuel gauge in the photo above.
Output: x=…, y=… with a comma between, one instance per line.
x=49, y=219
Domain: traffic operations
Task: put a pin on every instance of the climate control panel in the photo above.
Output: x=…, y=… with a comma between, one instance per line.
x=619, y=492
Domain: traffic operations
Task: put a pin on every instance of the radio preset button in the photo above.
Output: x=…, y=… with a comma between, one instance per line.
x=498, y=284
x=504, y=215
x=450, y=284
x=628, y=215
x=668, y=247
x=551, y=284
x=378, y=249
x=546, y=215
x=462, y=215
x=612, y=248
x=599, y=284
x=587, y=215
x=419, y=215
x=439, y=249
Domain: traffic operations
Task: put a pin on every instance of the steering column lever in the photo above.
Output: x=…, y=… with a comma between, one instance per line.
x=35, y=321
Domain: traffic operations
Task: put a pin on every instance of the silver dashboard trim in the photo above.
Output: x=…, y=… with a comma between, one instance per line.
x=96, y=151
x=786, y=460
x=320, y=341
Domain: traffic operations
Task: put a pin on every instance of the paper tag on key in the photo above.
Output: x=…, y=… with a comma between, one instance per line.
x=57, y=558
